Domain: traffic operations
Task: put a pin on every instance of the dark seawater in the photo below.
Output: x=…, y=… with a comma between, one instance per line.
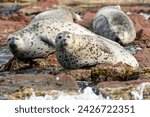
x=5, y=55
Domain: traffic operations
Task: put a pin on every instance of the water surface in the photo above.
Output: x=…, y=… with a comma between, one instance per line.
x=5, y=55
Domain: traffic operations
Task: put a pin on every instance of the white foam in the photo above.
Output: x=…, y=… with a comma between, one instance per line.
x=34, y=97
x=138, y=95
x=87, y=94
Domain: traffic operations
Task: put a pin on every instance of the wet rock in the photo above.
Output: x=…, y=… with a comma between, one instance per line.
x=46, y=65
x=15, y=64
x=129, y=90
x=23, y=85
x=5, y=55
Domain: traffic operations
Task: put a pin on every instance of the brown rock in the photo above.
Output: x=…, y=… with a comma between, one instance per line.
x=88, y=20
x=79, y=74
x=148, y=44
x=18, y=0
x=14, y=84
x=143, y=57
x=142, y=26
x=10, y=24
x=15, y=64
x=144, y=76
x=136, y=8
x=124, y=90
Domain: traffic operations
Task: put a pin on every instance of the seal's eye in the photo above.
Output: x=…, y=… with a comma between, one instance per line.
x=59, y=37
x=9, y=39
x=13, y=39
x=68, y=36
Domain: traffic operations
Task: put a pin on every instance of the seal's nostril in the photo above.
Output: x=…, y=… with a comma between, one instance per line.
x=68, y=36
x=11, y=44
x=16, y=38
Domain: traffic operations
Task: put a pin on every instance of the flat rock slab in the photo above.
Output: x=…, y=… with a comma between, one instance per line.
x=25, y=85
x=127, y=90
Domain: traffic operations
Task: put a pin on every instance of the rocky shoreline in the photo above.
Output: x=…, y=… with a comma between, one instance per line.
x=19, y=79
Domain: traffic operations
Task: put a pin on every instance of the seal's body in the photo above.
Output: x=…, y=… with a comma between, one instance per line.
x=112, y=23
x=77, y=51
x=57, y=14
x=37, y=40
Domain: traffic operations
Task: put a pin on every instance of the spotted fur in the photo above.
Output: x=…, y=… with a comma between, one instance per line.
x=76, y=51
x=112, y=23
x=37, y=40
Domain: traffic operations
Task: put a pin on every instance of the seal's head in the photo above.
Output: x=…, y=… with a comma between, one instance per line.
x=74, y=51
x=111, y=22
x=15, y=44
x=26, y=45
x=64, y=40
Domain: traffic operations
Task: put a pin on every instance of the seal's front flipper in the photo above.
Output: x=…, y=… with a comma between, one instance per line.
x=48, y=41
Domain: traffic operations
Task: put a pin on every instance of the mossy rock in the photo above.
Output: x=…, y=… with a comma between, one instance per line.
x=114, y=73
x=15, y=64
x=126, y=91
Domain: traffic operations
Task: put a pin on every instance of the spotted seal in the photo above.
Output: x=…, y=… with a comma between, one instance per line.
x=112, y=23
x=77, y=51
x=37, y=40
